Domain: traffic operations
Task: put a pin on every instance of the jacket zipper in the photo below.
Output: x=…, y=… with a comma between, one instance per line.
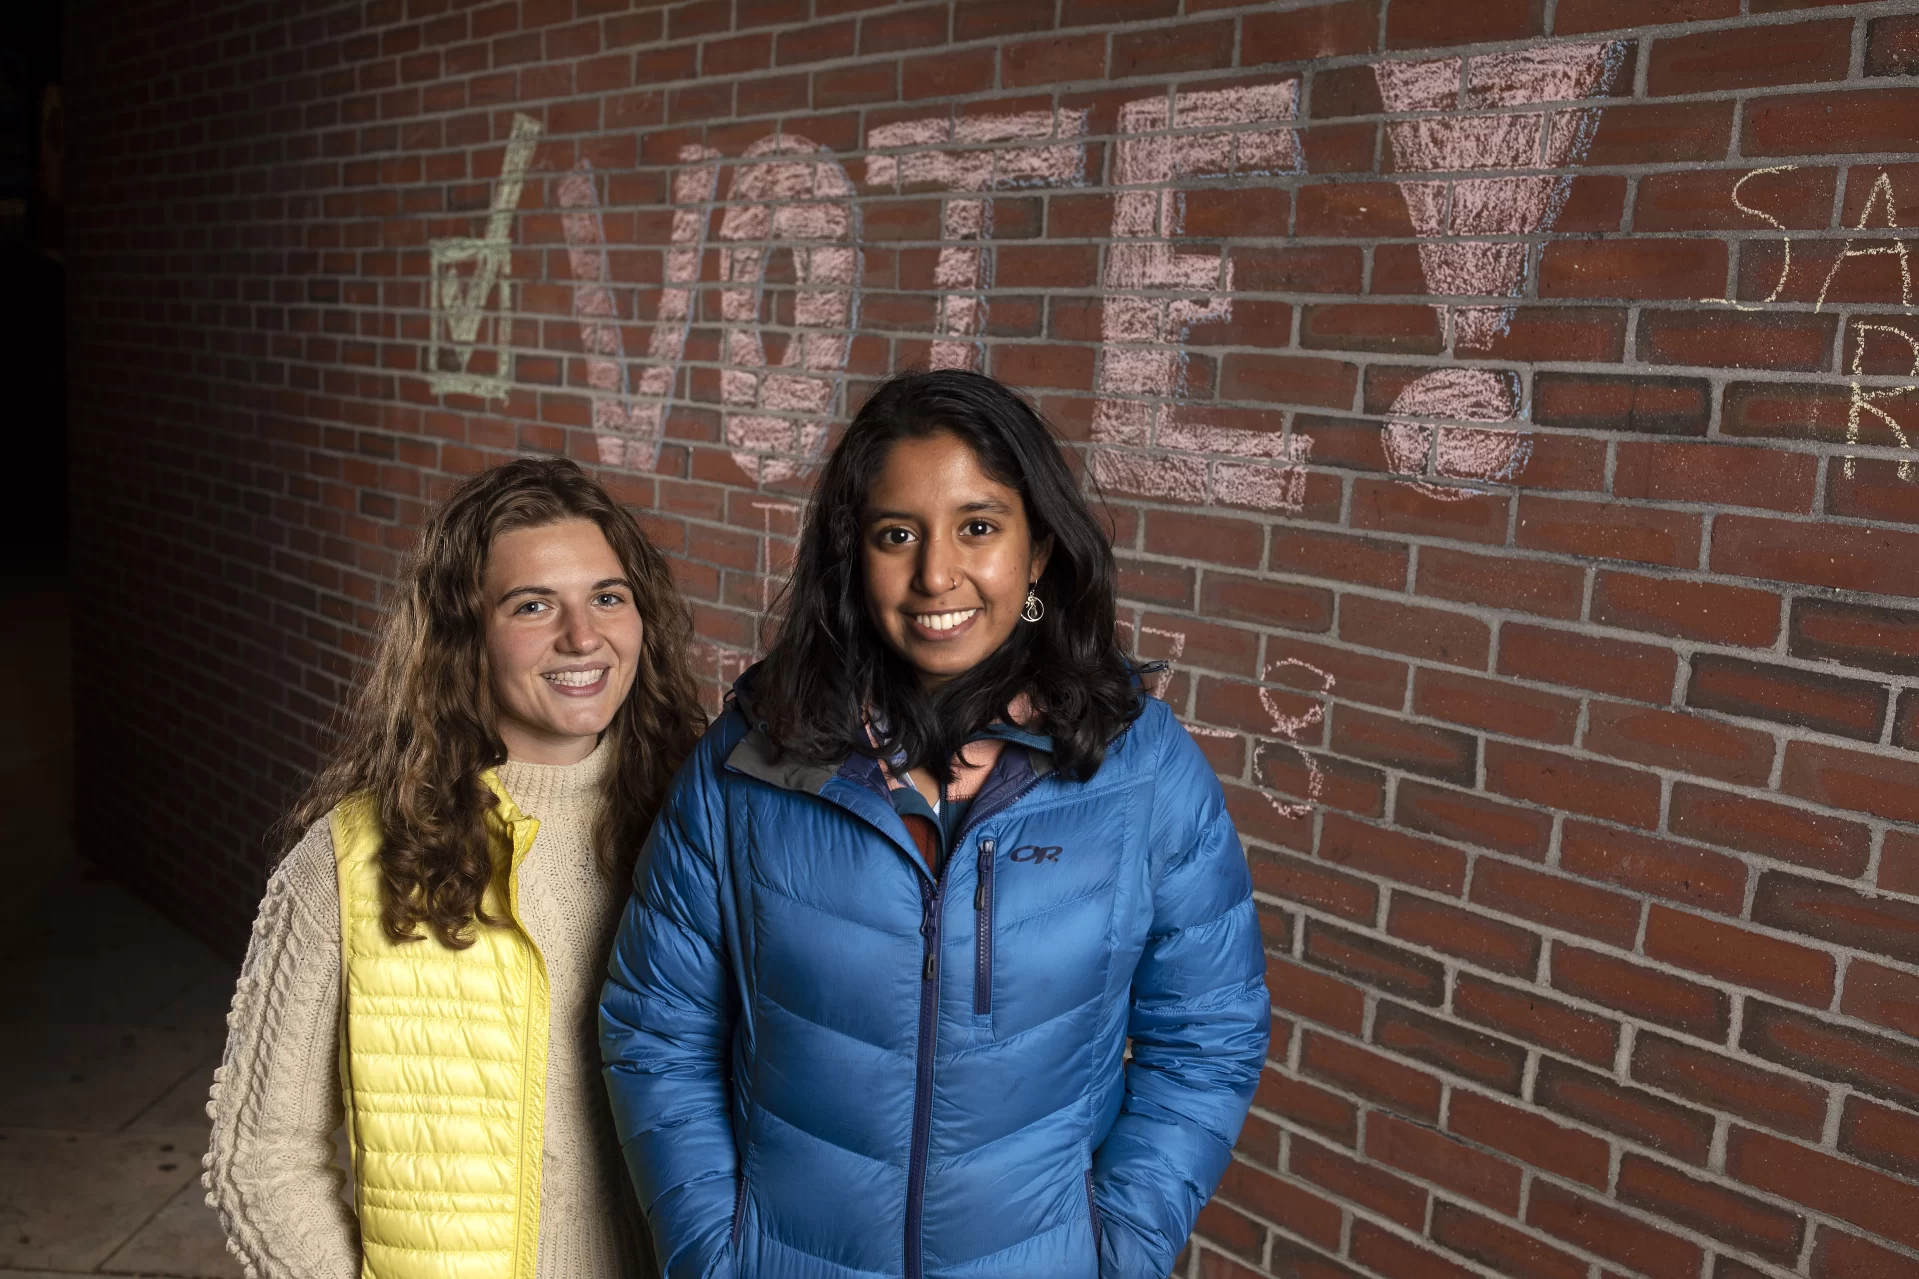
x=923, y=1068
x=983, y=908
x=929, y=1028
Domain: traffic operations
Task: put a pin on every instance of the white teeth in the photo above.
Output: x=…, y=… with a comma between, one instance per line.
x=575, y=679
x=944, y=621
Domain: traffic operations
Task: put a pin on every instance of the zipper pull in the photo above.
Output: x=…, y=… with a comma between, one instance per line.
x=985, y=865
x=932, y=965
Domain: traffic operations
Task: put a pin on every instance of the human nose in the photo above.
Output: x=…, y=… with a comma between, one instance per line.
x=578, y=632
x=938, y=566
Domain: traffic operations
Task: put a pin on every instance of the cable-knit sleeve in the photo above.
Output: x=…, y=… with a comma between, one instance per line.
x=276, y=1103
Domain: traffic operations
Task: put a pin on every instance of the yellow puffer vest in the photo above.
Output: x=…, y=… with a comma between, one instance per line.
x=443, y=1063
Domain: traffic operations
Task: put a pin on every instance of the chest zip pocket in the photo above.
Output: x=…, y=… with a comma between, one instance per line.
x=983, y=912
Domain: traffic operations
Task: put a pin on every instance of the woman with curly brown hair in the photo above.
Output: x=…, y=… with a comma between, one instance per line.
x=428, y=955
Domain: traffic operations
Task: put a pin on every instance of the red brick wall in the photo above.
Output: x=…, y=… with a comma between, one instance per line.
x=1505, y=409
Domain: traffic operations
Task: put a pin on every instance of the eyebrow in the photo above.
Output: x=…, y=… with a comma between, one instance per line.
x=965, y=508
x=600, y=585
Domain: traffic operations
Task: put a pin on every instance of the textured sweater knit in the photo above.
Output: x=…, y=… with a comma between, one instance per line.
x=272, y=1171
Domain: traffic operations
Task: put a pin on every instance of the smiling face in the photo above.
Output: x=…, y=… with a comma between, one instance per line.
x=562, y=639
x=948, y=557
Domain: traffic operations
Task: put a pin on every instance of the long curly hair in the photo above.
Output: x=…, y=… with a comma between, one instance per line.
x=829, y=674
x=420, y=731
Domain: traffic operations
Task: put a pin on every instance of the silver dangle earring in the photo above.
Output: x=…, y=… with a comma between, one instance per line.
x=1034, y=608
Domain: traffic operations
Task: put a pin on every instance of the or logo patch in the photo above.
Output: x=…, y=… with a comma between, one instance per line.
x=1036, y=853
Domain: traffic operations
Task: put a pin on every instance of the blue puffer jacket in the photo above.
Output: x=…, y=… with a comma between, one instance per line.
x=825, y=1064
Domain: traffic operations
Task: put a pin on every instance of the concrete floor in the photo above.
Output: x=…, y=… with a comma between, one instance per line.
x=111, y=1017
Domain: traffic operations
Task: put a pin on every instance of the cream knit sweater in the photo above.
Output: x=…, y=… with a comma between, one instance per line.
x=271, y=1171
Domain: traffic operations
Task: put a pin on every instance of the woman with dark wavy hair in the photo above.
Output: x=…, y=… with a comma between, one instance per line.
x=425, y=963
x=906, y=907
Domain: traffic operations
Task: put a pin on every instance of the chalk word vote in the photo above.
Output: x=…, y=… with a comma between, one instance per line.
x=778, y=389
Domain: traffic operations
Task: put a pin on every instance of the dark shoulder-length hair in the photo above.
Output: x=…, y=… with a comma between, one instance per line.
x=829, y=673
x=420, y=728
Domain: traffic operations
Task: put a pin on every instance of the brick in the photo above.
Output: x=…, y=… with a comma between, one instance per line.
x=1871, y=1063
x=1640, y=1116
x=1609, y=530
x=1678, y=472
x=1714, y=612
x=1766, y=829
x=1396, y=1258
x=1431, y=634
x=1324, y=31
x=1640, y=991
x=1472, y=818
x=1435, y=1157
x=1439, y=753
x=1879, y=561
x=1231, y=1229
x=1838, y=1255
x=1832, y=912
x=1375, y=964
x=1841, y=778
x=1308, y=1105
x=1485, y=942
x=1579, y=17
x=1712, y=1079
x=1702, y=200
x=1610, y=1233
x=1592, y=662
x=1748, y=58
x=1606, y=791
x=1392, y=854
x=1898, y=863
x=1865, y=120
x=1796, y=411
x=1881, y=1135
x=1657, y=867
x=1419, y=24
x=1285, y=1205
x=1391, y=1197
x=1526, y=1014
x=1523, y=585
x=1892, y=46
x=1786, y=695
x=1627, y=268
x=1315, y=268
x=1392, y=507
x=1052, y=60
x=1336, y=783
x=1288, y=379
x=1882, y=995
x=1212, y=539
x=1740, y=956
x=1234, y=598
x=1662, y=133
x=1857, y=635
x=1359, y=677
x=1736, y=340
x=1871, y=489
x=1449, y=1047
x=1499, y=1247
x=1367, y=561
x=1495, y=705
x=1314, y=995
x=1686, y=743
x=1193, y=46
x=1905, y=721
x=1531, y=1138
x=1404, y=329
x=1301, y=880
x=1737, y=1219
x=1612, y=402
x=1868, y=1199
